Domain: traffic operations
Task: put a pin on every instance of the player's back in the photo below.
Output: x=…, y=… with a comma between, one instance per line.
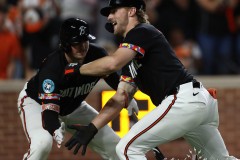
x=159, y=70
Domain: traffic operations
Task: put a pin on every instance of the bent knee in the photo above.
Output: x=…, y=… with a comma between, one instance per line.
x=127, y=150
x=42, y=142
x=121, y=149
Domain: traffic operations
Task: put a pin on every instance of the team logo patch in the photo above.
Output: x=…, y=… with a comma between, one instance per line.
x=82, y=30
x=48, y=86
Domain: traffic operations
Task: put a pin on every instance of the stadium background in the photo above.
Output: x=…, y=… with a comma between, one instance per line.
x=187, y=24
x=14, y=144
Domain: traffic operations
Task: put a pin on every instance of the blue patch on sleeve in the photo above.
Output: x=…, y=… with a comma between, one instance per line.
x=48, y=86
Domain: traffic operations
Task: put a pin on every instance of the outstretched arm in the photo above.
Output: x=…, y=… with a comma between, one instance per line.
x=84, y=134
x=108, y=64
x=115, y=104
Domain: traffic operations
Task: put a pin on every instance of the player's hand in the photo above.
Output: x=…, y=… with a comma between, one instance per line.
x=58, y=134
x=82, y=136
x=72, y=69
x=132, y=107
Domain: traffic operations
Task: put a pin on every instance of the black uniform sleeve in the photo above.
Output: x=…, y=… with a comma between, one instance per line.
x=50, y=121
x=49, y=96
x=96, y=52
x=126, y=75
x=112, y=80
x=136, y=40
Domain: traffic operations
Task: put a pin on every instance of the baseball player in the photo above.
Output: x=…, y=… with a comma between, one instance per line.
x=184, y=107
x=49, y=101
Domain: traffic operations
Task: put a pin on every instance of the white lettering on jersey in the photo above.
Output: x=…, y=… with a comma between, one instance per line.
x=66, y=92
x=133, y=67
x=77, y=91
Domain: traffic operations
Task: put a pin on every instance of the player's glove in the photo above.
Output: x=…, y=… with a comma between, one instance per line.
x=58, y=134
x=132, y=107
x=82, y=136
x=72, y=69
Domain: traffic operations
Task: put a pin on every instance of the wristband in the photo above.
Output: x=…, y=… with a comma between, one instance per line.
x=51, y=106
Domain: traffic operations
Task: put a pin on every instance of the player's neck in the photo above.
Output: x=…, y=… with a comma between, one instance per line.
x=132, y=23
x=71, y=59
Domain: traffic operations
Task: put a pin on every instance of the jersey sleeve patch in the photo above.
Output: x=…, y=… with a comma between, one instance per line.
x=138, y=49
x=52, y=96
x=48, y=86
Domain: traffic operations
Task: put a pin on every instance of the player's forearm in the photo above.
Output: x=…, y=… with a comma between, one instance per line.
x=110, y=111
x=106, y=115
x=100, y=67
x=108, y=64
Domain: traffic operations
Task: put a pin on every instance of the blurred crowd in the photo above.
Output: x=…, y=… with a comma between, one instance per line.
x=205, y=34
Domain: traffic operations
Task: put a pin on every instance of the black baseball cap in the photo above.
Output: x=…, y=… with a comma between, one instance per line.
x=75, y=30
x=139, y=4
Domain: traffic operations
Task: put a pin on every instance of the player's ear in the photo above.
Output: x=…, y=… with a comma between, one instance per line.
x=132, y=11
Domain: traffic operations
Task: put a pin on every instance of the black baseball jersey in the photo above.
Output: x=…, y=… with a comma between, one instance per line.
x=156, y=70
x=50, y=85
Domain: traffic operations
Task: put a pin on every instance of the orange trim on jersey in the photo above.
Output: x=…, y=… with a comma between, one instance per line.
x=212, y=92
x=133, y=47
x=67, y=71
x=149, y=127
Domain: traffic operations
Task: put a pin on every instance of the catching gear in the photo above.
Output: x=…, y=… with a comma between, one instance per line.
x=72, y=69
x=132, y=107
x=73, y=31
x=82, y=136
x=139, y=4
x=58, y=134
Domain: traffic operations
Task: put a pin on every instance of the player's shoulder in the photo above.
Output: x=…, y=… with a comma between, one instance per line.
x=144, y=28
x=54, y=57
x=53, y=62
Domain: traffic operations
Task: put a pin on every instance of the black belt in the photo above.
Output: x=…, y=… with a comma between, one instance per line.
x=195, y=84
